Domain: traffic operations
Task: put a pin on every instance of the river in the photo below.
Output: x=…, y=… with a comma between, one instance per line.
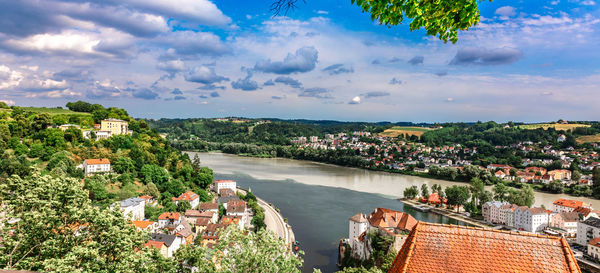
x=317, y=199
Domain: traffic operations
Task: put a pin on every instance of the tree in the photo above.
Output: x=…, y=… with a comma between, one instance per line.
x=424, y=191
x=182, y=206
x=3, y=105
x=245, y=252
x=477, y=188
x=152, y=190
x=154, y=173
x=596, y=184
x=576, y=176
x=411, y=192
x=57, y=229
x=457, y=196
x=500, y=192
x=124, y=164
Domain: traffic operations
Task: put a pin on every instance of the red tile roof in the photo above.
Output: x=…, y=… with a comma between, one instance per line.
x=155, y=244
x=169, y=215
x=569, y=203
x=97, y=161
x=434, y=248
x=187, y=196
x=594, y=242
x=387, y=218
x=142, y=224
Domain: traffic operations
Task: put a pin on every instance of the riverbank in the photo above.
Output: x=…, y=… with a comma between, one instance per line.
x=444, y=212
x=422, y=175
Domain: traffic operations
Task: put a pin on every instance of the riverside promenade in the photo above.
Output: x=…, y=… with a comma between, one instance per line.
x=447, y=213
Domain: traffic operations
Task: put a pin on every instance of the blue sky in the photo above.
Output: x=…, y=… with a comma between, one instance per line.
x=525, y=61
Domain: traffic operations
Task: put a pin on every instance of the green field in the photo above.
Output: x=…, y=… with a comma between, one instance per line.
x=562, y=127
x=54, y=111
x=405, y=130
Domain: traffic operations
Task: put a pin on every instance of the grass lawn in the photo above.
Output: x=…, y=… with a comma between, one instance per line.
x=585, y=139
x=405, y=130
x=563, y=127
x=54, y=111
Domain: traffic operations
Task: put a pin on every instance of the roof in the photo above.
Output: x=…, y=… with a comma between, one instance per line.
x=535, y=211
x=131, y=202
x=155, y=244
x=208, y=206
x=168, y=239
x=98, y=161
x=359, y=218
x=202, y=221
x=569, y=203
x=585, y=211
x=114, y=119
x=569, y=216
x=223, y=181
x=187, y=196
x=592, y=221
x=169, y=215
x=594, y=242
x=387, y=218
x=142, y=224
x=441, y=248
x=146, y=197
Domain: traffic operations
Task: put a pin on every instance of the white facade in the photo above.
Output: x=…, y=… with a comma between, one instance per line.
x=133, y=208
x=358, y=225
x=588, y=230
x=91, y=167
x=225, y=184
x=491, y=212
x=531, y=219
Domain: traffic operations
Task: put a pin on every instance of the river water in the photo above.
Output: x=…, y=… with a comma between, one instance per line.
x=317, y=199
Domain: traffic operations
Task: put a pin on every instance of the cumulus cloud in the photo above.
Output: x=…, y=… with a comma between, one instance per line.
x=144, y=93
x=245, y=84
x=441, y=73
x=338, y=69
x=211, y=87
x=355, y=100
x=395, y=60
x=303, y=60
x=172, y=66
x=375, y=94
x=506, y=11
x=481, y=56
x=449, y=99
x=214, y=94
x=316, y=92
x=176, y=91
x=416, y=60
x=191, y=43
x=204, y=74
x=395, y=81
x=289, y=81
x=202, y=12
x=179, y=98
x=269, y=83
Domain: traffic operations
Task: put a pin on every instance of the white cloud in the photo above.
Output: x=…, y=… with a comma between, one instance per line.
x=506, y=11
x=355, y=100
x=9, y=102
x=201, y=11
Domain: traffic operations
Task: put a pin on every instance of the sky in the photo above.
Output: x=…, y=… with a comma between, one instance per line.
x=524, y=61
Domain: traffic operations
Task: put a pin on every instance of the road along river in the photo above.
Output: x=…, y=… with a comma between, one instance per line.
x=317, y=199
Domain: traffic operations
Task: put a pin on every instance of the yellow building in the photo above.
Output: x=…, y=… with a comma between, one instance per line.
x=115, y=126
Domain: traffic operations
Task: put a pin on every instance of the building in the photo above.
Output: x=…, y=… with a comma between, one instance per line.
x=115, y=127
x=149, y=200
x=491, y=212
x=149, y=226
x=532, y=219
x=224, y=184
x=585, y=213
x=567, y=205
x=507, y=215
x=133, y=208
x=172, y=242
x=210, y=235
x=188, y=196
x=65, y=127
x=169, y=219
x=559, y=174
x=385, y=222
x=593, y=248
x=209, y=207
x=160, y=246
x=437, y=248
x=566, y=221
x=588, y=230
x=96, y=166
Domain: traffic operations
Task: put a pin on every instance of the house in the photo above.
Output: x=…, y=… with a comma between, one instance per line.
x=566, y=221
x=209, y=207
x=149, y=200
x=210, y=235
x=236, y=208
x=498, y=166
x=507, y=215
x=224, y=184
x=593, y=248
x=532, y=219
x=226, y=192
x=433, y=198
x=385, y=222
x=65, y=127
x=561, y=138
x=567, y=205
x=193, y=215
x=188, y=196
x=184, y=230
x=491, y=211
x=559, y=174
x=451, y=248
x=585, y=213
x=535, y=170
x=588, y=230
x=96, y=166
x=230, y=219
x=201, y=224
x=143, y=225
x=169, y=218
x=160, y=246
x=172, y=242
x=133, y=208
x=115, y=126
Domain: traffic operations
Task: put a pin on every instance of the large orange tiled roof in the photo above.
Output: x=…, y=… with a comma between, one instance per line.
x=97, y=161
x=169, y=215
x=387, y=218
x=142, y=224
x=437, y=248
x=569, y=203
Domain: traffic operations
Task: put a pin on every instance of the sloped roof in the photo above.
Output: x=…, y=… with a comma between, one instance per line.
x=359, y=218
x=98, y=161
x=208, y=206
x=569, y=216
x=155, y=244
x=569, y=203
x=434, y=248
x=187, y=196
x=168, y=239
x=169, y=215
x=142, y=224
x=592, y=221
x=594, y=242
x=134, y=201
x=387, y=218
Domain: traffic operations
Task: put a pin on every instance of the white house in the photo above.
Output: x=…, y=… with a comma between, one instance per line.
x=531, y=219
x=96, y=166
x=224, y=184
x=188, y=196
x=358, y=225
x=593, y=248
x=169, y=218
x=507, y=215
x=566, y=205
x=133, y=208
x=172, y=242
x=588, y=230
